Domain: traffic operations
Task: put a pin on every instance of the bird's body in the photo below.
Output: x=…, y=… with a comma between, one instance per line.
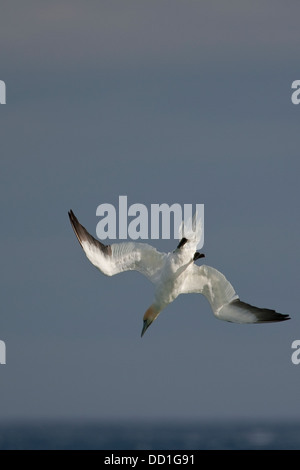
x=172, y=274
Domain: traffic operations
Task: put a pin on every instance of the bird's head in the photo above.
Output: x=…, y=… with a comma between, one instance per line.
x=150, y=315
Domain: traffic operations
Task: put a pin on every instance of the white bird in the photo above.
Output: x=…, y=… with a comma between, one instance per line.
x=172, y=274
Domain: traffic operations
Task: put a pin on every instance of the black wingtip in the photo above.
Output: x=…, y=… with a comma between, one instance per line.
x=71, y=214
x=198, y=255
x=279, y=317
x=83, y=235
x=285, y=317
x=182, y=242
x=73, y=220
x=263, y=315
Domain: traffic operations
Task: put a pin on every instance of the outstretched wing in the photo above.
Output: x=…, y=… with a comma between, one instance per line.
x=119, y=257
x=223, y=299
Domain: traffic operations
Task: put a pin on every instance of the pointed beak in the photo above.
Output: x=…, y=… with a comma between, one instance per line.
x=146, y=325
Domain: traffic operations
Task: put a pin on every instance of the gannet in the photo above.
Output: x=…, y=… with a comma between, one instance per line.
x=172, y=274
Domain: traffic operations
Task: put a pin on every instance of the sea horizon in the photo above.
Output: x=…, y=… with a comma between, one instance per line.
x=149, y=435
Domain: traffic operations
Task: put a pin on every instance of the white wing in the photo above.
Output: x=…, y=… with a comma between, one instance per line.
x=119, y=257
x=223, y=299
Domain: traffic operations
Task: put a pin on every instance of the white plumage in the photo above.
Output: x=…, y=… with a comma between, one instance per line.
x=173, y=274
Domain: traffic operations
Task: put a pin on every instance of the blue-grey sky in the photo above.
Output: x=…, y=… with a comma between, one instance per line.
x=162, y=101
